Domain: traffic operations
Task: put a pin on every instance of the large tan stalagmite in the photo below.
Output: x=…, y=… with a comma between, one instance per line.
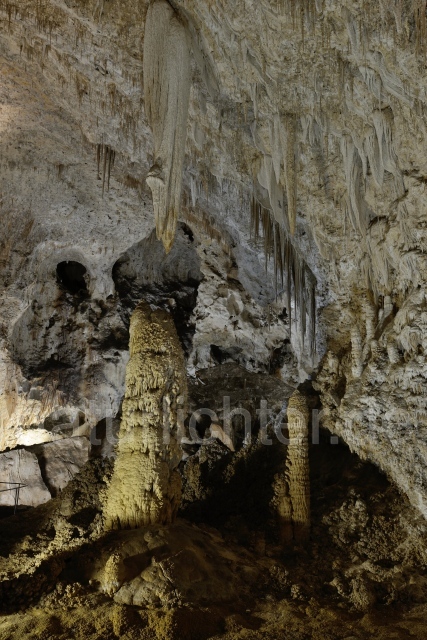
x=297, y=465
x=167, y=91
x=145, y=487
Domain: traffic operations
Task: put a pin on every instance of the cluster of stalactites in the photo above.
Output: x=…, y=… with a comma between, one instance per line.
x=291, y=271
x=167, y=82
x=271, y=177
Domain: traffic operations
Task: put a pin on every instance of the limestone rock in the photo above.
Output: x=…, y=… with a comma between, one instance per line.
x=61, y=460
x=351, y=79
x=21, y=466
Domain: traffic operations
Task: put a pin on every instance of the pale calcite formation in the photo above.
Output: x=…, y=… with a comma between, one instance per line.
x=350, y=75
x=356, y=352
x=112, y=578
x=167, y=92
x=297, y=466
x=145, y=487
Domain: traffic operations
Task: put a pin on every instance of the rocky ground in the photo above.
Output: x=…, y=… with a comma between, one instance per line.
x=221, y=573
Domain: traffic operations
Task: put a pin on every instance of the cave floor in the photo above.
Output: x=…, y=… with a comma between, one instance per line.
x=362, y=575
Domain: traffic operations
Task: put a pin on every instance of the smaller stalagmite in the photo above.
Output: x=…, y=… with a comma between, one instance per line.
x=297, y=466
x=145, y=487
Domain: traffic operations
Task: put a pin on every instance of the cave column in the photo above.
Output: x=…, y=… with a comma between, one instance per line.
x=145, y=487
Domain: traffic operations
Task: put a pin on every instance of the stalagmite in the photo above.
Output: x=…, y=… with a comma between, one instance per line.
x=145, y=487
x=167, y=92
x=297, y=465
x=282, y=506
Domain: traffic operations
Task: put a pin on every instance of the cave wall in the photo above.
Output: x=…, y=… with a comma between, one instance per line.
x=315, y=108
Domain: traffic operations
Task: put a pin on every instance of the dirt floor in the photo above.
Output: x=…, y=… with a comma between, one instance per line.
x=220, y=571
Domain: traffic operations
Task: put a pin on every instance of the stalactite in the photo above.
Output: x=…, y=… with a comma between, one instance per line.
x=370, y=312
x=105, y=156
x=276, y=146
x=290, y=170
x=356, y=352
x=297, y=466
x=357, y=207
x=393, y=352
x=267, y=179
x=383, y=123
x=167, y=91
x=420, y=27
x=374, y=154
x=289, y=268
x=145, y=487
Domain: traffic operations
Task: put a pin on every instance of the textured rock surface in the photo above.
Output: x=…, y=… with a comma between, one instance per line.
x=145, y=487
x=305, y=142
x=298, y=466
x=21, y=466
x=61, y=460
x=368, y=550
x=315, y=108
x=237, y=399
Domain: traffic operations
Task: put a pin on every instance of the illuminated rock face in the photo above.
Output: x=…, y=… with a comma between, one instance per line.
x=314, y=109
x=145, y=487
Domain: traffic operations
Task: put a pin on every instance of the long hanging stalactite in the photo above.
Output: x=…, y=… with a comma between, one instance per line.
x=167, y=91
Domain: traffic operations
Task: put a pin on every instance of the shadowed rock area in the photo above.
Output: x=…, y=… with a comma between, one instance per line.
x=247, y=179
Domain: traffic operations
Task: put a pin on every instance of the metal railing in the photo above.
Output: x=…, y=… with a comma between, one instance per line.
x=17, y=486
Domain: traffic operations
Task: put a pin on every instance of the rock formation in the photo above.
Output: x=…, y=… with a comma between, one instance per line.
x=21, y=467
x=254, y=170
x=145, y=487
x=167, y=93
x=297, y=466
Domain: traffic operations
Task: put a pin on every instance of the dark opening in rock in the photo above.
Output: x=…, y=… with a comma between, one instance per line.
x=71, y=275
x=221, y=354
